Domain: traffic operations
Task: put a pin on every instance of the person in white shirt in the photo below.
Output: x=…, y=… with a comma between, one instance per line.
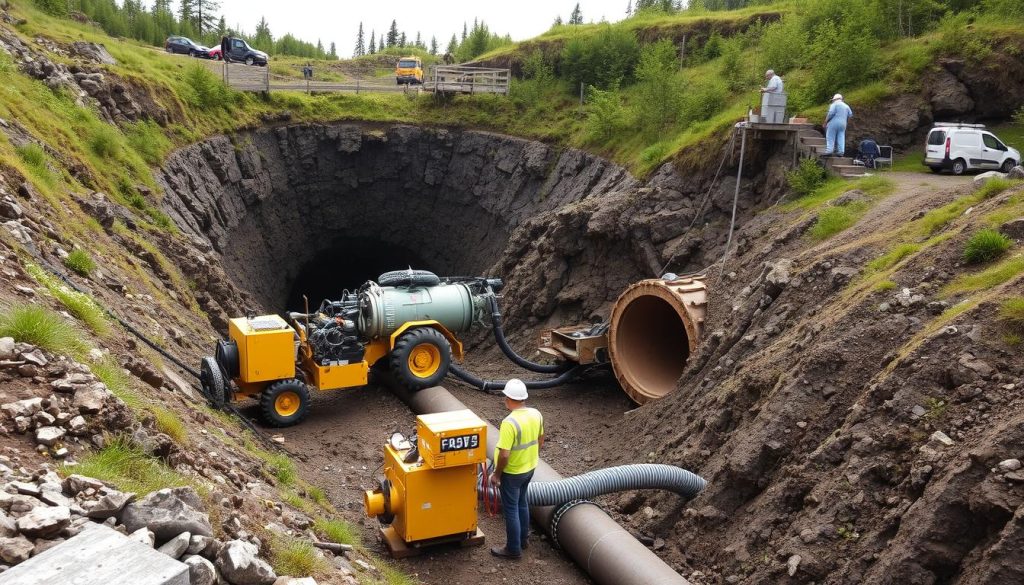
x=773, y=86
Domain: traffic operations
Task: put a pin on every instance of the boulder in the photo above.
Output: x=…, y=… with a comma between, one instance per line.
x=44, y=521
x=1013, y=228
x=49, y=436
x=987, y=176
x=239, y=565
x=16, y=549
x=110, y=504
x=949, y=97
x=27, y=407
x=7, y=349
x=90, y=400
x=143, y=536
x=1016, y=172
x=76, y=484
x=35, y=357
x=200, y=571
x=176, y=546
x=168, y=513
x=92, y=52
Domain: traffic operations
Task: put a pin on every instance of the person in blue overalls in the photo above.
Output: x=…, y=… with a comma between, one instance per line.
x=835, y=126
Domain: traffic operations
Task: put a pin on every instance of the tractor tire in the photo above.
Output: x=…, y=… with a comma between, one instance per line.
x=408, y=278
x=284, y=403
x=421, y=358
x=211, y=380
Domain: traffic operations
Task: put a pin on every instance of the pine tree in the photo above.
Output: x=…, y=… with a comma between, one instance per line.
x=558, y=20
x=577, y=15
x=401, y=40
x=360, y=49
x=334, y=51
x=453, y=45
x=629, y=8
x=222, y=27
x=393, y=34
x=187, y=12
x=465, y=31
x=418, y=42
x=381, y=45
x=319, y=49
x=433, y=45
x=206, y=15
x=373, y=42
x=263, y=40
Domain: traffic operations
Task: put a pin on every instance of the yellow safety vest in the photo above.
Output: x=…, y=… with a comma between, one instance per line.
x=520, y=434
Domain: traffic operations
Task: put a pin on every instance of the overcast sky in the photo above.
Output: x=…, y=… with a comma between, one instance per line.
x=338, y=20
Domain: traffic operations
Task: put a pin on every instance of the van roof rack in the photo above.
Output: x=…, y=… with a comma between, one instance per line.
x=957, y=125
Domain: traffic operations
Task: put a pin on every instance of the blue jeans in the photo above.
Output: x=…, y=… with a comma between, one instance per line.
x=515, y=509
x=835, y=138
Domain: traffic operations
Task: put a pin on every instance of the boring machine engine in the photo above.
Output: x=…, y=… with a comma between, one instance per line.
x=428, y=494
x=407, y=322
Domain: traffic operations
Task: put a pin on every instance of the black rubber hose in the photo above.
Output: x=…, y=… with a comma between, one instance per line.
x=499, y=336
x=640, y=476
x=496, y=385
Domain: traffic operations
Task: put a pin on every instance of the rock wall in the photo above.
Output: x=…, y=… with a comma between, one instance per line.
x=566, y=229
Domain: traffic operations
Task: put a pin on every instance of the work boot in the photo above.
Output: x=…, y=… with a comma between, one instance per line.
x=503, y=553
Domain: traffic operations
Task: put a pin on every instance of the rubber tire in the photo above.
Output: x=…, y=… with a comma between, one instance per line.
x=1008, y=165
x=398, y=360
x=191, y=53
x=403, y=278
x=270, y=394
x=211, y=380
x=962, y=166
x=249, y=61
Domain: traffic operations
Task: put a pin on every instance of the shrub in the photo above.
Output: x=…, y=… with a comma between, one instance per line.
x=986, y=245
x=783, y=45
x=80, y=261
x=957, y=38
x=843, y=56
x=104, y=142
x=606, y=59
x=659, y=90
x=713, y=48
x=206, y=90
x=54, y=7
x=704, y=100
x=605, y=115
x=337, y=531
x=42, y=327
x=733, y=69
x=806, y=178
x=147, y=139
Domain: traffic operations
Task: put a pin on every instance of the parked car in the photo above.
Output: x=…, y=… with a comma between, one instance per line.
x=186, y=46
x=215, y=54
x=965, y=147
x=409, y=70
x=240, y=51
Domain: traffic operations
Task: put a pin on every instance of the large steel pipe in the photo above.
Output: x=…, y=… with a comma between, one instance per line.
x=655, y=325
x=602, y=548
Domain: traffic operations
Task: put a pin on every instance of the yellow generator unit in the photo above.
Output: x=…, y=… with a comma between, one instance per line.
x=428, y=493
x=407, y=323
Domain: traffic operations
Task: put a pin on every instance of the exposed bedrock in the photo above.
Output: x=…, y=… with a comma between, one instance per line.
x=313, y=209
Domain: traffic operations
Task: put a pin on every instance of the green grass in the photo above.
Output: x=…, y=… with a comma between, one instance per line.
x=885, y=285
x=833, y=220
x=893, y=257
x=988, y=278
x=41, y=327
x=283, y=468
x=389, y=575
x=125, y=465
x=1011, y=313
x=80, y=261
x=295, y=501
x=993, y=187
x=296, y=558
x=105, y=142
x=36, y=159
x=78, y=304
x=318, y=496
x=116, y=380
x=167, y=422
x=337, y=531
x=986, y=245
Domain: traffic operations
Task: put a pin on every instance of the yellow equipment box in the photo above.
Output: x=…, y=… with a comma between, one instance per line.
x=450, y=439
x=266, y=348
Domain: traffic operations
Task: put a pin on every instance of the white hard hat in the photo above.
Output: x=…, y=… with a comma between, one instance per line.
x=515, y=389
x=838, y=96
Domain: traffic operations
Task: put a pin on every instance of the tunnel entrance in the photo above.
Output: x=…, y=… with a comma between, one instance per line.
x=345, y=264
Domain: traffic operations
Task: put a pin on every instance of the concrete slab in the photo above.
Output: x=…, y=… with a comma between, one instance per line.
x=98, y=556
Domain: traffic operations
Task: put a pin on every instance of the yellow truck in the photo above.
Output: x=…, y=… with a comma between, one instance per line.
x=409, y=70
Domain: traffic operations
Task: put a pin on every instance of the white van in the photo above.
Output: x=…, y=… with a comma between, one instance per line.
x=964, y=147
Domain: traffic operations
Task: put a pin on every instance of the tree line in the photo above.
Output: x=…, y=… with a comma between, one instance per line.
x=474, y=41
x=199, y=20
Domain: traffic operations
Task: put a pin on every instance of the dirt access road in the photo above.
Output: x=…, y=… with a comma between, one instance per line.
x=339, y=447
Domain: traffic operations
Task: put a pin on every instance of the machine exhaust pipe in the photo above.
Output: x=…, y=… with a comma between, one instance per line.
x=655, y=325
x=602, y=548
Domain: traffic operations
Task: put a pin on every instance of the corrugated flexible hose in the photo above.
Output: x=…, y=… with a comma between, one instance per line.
x=639, y=476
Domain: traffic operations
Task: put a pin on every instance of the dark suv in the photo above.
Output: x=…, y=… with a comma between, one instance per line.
x=186, y=46
x=240, y=51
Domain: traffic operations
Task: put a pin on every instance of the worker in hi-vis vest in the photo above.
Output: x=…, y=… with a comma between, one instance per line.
x=516, y=456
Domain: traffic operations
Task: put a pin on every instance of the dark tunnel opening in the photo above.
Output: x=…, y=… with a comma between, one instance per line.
x=346, y=264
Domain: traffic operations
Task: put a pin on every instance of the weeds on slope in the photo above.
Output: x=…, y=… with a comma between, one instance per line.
x=41, y=327
x=986, y=245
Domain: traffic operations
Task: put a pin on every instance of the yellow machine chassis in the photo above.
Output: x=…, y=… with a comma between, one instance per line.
x=349, y=375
